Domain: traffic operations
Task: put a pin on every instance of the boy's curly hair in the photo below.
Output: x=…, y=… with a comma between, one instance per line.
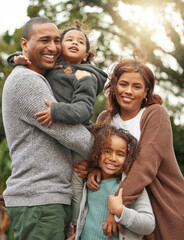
x=78, y=26
x=102, y=134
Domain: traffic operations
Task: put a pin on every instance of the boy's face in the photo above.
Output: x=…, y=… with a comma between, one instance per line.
x=73, y=47
x=43, y=47
x=113, y=157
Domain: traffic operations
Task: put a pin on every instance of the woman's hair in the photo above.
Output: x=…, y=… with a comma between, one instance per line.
x=131, y=66
x=78, y=27
x=102, y=134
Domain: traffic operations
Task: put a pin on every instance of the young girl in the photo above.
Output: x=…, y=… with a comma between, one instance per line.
x=114, y=152
x=75, y=83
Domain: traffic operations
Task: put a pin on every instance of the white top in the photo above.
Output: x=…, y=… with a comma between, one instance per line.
x=132, y=125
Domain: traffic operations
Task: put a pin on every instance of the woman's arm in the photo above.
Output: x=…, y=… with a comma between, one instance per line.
x=156, y=142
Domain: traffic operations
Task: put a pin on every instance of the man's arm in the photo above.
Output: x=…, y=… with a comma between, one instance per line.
x=33, y=89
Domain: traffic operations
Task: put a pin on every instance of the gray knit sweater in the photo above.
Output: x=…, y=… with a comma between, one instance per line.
x=41, y=159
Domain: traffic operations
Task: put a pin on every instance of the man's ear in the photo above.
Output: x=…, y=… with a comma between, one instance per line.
x=85, y=57
x=24, y=44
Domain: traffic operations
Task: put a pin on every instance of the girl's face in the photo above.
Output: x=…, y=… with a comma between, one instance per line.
x=113, y=158
x=73, y=47
x=131, y=91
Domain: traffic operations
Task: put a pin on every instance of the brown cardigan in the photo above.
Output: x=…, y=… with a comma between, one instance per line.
x=156, y=167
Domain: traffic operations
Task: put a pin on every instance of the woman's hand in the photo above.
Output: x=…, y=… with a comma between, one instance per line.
x=45, y=116
x=110, y=226
x=93, y=176
x=81, y=168
x=21, y=60
x=115, y=203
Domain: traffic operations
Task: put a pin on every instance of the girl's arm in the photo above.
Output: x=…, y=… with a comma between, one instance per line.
x=138, y=218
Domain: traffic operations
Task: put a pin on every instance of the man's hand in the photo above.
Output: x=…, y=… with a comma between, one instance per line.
x=45, y=116
x=110, y=226
x=115, y=203
x=81, y=168
x=93, y=176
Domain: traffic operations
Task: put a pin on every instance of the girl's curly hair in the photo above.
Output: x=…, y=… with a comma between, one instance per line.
x=78, y=27
x=102, y=134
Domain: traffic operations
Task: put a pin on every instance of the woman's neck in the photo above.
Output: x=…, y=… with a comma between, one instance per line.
x=125, y=115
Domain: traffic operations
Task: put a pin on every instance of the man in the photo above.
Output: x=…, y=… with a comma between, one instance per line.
x=38, y=193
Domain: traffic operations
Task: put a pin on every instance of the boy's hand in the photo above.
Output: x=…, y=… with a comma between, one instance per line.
x=115, y=203
x=45, y=116
x=80, y=74
x=21, y=60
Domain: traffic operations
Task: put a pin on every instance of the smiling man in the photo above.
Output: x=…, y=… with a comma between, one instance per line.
x=38, y=193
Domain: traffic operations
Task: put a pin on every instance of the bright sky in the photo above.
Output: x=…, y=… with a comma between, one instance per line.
x=13, y=14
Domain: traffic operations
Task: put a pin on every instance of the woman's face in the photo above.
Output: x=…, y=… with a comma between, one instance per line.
x=131, y=90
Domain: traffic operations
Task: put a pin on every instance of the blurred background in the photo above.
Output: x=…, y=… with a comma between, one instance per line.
x=117, y=28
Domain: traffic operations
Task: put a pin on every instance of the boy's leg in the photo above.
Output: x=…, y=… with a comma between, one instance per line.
x=40, y=222
x=77, y=187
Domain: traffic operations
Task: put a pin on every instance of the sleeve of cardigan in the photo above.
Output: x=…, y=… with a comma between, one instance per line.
x=81, y=107
x=139, y=218
x=32, y=89
x=156, y=138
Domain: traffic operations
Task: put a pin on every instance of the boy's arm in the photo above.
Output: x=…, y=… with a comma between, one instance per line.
x=10, y=59
x=81, y=107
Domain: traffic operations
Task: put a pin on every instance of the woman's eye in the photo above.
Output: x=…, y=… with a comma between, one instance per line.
x=123, y=84
x=137, y=87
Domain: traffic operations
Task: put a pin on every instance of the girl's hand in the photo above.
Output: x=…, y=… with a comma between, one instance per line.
x=80, y=74
x=110, y=226
x=21, y=60
x=115, y=203
x=45, y=116
x=81, y=168
x=91, y=182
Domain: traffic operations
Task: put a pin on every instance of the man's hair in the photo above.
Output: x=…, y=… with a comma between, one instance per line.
x=28, y=26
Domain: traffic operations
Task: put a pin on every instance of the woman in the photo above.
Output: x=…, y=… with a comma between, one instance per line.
x=133, y=106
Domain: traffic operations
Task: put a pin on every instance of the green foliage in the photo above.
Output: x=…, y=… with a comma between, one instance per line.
x=178, y=138
x=4, y=163
x=100, y=105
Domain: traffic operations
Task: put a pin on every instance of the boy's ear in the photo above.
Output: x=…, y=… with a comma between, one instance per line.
x=85, y=57
x=24, y=44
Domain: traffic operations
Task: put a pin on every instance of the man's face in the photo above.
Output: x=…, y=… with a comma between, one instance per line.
x=43, y=47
